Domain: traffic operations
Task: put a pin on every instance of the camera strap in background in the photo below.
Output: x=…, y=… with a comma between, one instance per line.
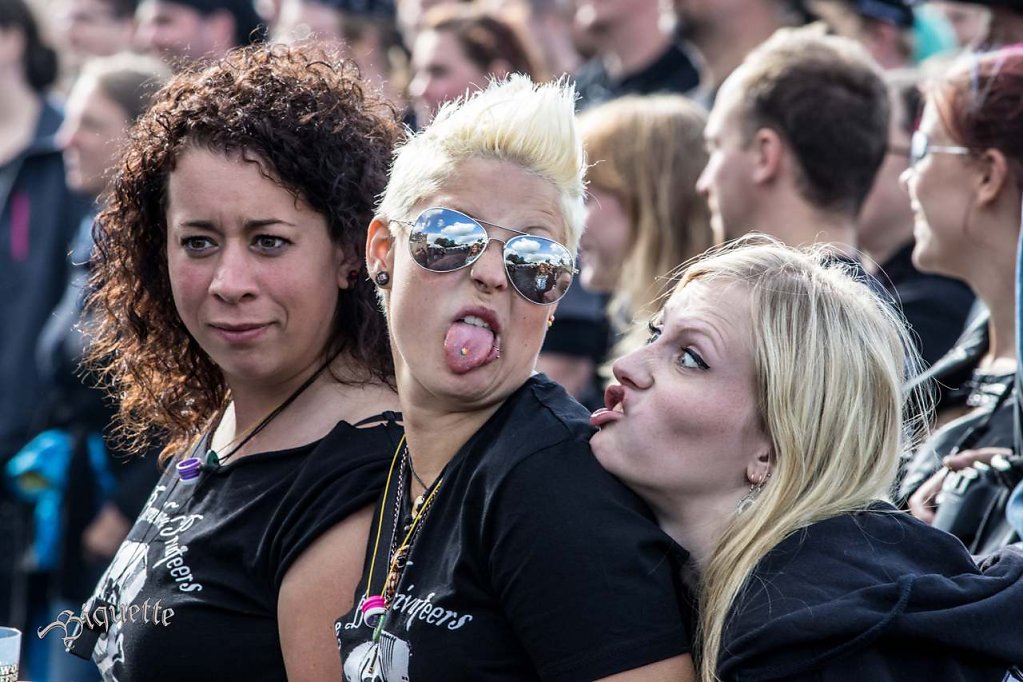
x=974, y=503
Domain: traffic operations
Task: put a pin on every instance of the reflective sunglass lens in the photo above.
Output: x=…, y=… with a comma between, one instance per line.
x=540, y=269
x=918, y=147
x=443, y=240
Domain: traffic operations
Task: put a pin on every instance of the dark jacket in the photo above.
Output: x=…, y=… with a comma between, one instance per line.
x=877, y=596
x=672, y=72
x=38, y=219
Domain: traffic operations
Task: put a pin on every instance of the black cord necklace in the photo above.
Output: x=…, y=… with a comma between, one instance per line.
x=215, y=461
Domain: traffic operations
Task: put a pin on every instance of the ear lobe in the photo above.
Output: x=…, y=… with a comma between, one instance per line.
x=346, y=267
x=759, y=469
x=768, y=149
x=993, y=178
x=379, y=247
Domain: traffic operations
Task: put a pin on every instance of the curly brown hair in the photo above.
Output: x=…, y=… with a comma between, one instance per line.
x=319, y=134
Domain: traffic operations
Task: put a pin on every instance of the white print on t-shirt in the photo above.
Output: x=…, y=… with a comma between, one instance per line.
x=386, y=661
x=126, y=576
x=130, y=562
x=173, y=552
x=413, y=608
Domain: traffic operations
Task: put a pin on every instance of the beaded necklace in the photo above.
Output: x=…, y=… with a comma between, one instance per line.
x=376, y=608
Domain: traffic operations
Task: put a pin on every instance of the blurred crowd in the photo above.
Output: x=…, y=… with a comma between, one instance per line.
x=845, y=152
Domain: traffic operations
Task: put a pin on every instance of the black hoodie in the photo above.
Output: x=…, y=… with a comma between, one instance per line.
x=875, y=596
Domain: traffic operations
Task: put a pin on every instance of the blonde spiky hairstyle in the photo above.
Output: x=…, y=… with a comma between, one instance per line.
x=516, y=120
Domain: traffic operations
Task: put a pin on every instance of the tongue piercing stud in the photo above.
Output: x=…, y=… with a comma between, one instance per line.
x=464, y=351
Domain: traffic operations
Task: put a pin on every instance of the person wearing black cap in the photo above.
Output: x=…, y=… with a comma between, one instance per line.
x=181, y=31
x=884, y=27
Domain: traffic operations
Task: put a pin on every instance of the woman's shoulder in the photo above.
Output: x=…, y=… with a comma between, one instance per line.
x=542, y=435
x=370, y=438
x=868, y=545
x=545, y=400
x=538, y=419
x=870, y=583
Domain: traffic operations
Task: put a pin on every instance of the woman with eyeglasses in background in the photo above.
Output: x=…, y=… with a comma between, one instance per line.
x=965, y=185
x=500, y=550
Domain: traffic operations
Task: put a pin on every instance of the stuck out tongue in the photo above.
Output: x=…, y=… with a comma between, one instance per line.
x=467, y=346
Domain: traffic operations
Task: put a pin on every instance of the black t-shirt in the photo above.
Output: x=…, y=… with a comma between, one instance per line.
x=532, y=563
x=216, y=551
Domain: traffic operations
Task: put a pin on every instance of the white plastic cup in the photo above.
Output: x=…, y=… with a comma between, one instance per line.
x=10, y=653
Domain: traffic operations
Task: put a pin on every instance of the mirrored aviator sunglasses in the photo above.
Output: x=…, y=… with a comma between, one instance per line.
x=445, y=240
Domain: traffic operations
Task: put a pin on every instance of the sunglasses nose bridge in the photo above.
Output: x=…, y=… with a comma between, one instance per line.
x=483, y=249
x=492, y=273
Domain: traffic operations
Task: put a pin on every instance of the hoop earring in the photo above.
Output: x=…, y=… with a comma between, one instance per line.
x=750, y=497
x=382, y=279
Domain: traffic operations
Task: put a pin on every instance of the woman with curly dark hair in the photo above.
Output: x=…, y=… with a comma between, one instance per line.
x=234, y=319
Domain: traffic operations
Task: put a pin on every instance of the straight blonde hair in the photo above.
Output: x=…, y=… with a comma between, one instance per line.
x=831, y=358
x=649, y=151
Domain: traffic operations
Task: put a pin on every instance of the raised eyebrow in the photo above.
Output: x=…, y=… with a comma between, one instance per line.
x=205, y=225
x=249, y=225
x=704, y=330
x=260, y=223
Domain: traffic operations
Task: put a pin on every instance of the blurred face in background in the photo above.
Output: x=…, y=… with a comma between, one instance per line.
x=94, y=130
x=442, y=72
x=91, y=28
x=302, y=19
x=727, y=180
x=969, y=22
x=606, y=241
x=176, y=32
x=596, y=18
x=887, y=208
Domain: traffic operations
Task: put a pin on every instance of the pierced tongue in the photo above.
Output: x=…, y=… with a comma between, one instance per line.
x=467, y=346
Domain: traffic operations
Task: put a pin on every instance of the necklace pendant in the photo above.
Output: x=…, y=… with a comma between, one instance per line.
x=212, y=460
x=417, y=505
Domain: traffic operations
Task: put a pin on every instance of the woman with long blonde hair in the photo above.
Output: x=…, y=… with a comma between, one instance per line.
x=763, y=423
x=644, y=216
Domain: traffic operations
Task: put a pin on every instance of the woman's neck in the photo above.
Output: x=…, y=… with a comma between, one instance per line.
x=990, y=275
x=18, y=94
x=1001, y=303
x=435, y=436
x=696, y=523
x=310, y=414
x=19, y=115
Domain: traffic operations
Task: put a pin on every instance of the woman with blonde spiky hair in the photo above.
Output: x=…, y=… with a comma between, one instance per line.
x=763, y=422
x=500, y=550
